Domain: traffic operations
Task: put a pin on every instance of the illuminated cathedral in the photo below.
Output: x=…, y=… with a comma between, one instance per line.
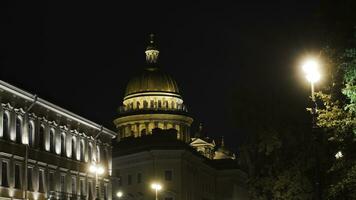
x=154, y=143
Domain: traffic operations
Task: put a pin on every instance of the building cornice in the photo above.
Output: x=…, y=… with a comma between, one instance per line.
x=30, y=97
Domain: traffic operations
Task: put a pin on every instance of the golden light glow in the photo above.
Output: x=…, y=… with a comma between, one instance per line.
x=119, y=194
x=339, y=155
x=156, y=186
x=311, y=70
x=96, y=169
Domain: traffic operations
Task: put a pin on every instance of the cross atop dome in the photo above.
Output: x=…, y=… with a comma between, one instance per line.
x=151, y=52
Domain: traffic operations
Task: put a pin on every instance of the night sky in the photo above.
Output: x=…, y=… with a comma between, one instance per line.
x=80, y=56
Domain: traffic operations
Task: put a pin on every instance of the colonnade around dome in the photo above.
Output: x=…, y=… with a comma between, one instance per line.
x=153, y=102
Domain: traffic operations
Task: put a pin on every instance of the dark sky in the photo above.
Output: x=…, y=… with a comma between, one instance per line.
x=80, y=55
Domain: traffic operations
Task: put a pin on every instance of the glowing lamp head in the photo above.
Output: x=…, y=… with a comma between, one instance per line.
x=119, y=194
x=100, y=170
x=156, y=186
x=311, y=70
x=93, y=168
x=339, y=155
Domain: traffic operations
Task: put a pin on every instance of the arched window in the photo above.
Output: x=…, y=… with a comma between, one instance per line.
x=41, y=137
x=82, y=150
x=105, y=156
x=51, y=141
x=63, y=144
x=90, y=153
x=30, y=133
x=18, y=129
x=98, y=154
x=5, y=125
x=73, y=148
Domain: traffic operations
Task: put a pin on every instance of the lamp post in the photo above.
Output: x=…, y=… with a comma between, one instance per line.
x=157, y=187
x=312, y=74
x=98, y=170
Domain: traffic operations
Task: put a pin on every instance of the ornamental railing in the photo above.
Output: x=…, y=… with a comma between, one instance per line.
x=128, y=109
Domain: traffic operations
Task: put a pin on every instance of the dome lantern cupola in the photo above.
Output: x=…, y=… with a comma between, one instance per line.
x=151, y=53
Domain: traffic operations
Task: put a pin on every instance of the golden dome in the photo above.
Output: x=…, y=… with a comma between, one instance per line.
x=152, y=80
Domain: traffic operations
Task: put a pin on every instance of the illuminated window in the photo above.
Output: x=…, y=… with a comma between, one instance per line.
x=5, y=126
x=63, y=144
x=73, y=148
x=90, y=153
x=41, y=138
x=18, y=130
x=51, y=141
x=82, y=150
x=98, y=153
x=30, y=133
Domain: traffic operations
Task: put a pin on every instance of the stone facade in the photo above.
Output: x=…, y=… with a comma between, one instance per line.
x=45, y=150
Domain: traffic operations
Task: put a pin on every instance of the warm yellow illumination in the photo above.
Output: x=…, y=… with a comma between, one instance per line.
x=119, y=194
x=96, y=169
x=339, y=155
x=156, y=186
x=100, y=170
x=93, y=168
x=311, y=70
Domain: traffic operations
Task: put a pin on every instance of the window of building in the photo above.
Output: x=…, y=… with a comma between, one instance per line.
x=98, y=153
x=81, y=185
x=129, y=180
x=62, y=183
x=41, y=138
x=51, y=141
x=18, y=129
x=74, y=184
x=4, y=177
x=17, y=176
x=73, y=148
x=105, y=191
x=90, y=190
x=90, y=153
x=29, y=179
x=119, y=181
x=41, y=180
x=5, y=126
x=51, y=181
x=82, y=150
x=63, y=144
x=139, y=177
x=168, y=175
x=30, y=133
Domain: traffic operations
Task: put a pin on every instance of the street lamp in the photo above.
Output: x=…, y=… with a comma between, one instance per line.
x=312, y=74
x=156, y=187
x=119, y=194
x=97, y=170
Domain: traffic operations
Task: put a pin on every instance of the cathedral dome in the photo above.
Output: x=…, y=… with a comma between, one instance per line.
x=152, y=80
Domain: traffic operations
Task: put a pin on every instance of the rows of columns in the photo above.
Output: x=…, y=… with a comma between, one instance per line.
x=82, y=146
x=75, y=183
x=145, y=128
